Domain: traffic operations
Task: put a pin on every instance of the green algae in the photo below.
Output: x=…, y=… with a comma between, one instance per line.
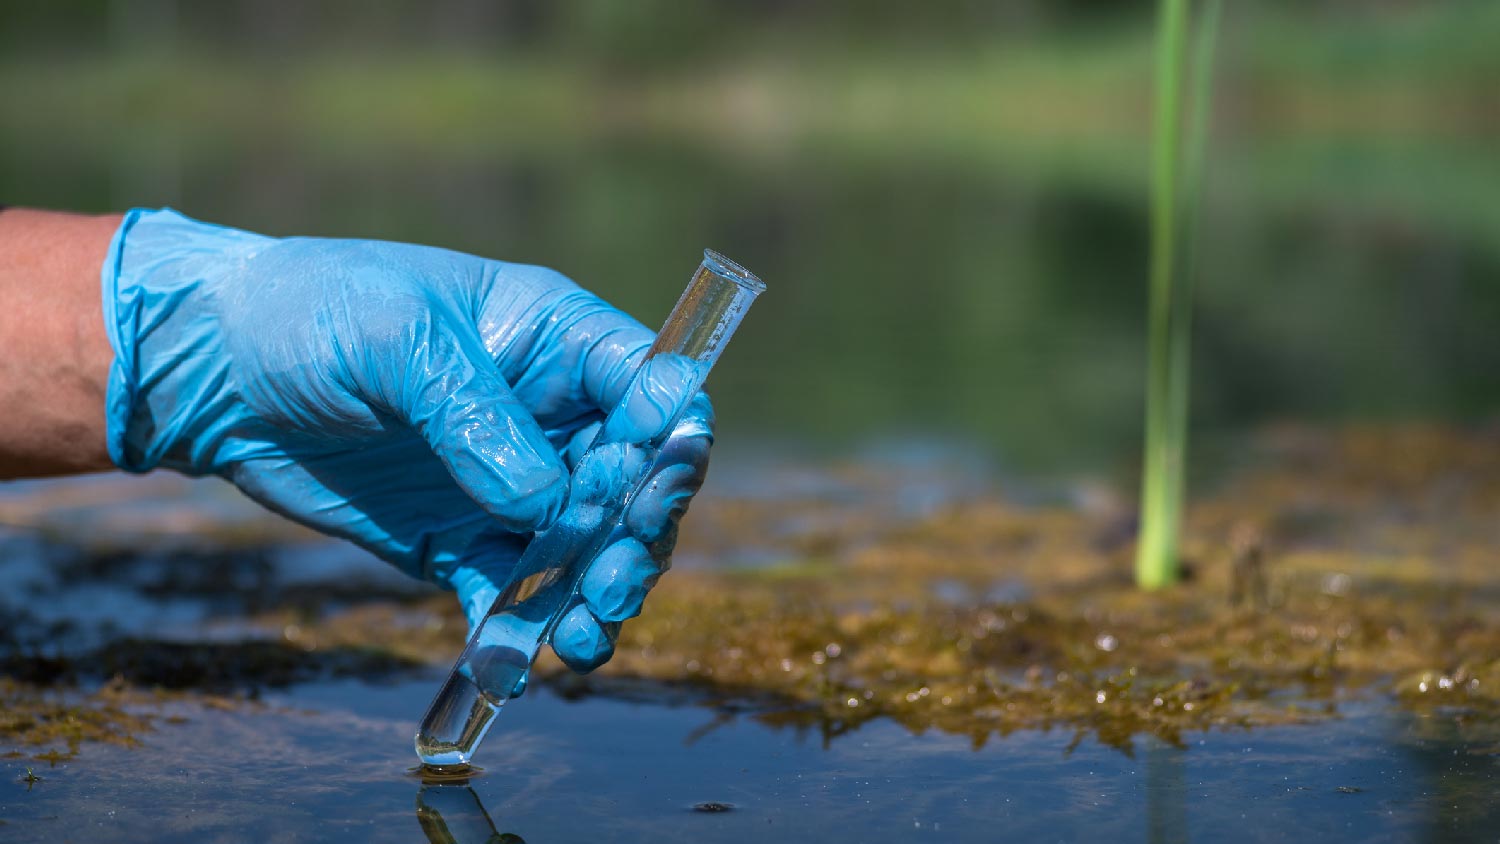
x=51, y=726
x=1341, y=566
x=1344, y=565
x=1105, y=662
x=51, y=707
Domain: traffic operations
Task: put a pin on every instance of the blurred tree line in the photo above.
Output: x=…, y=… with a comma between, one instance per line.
x=657, y=28
x=639, y=33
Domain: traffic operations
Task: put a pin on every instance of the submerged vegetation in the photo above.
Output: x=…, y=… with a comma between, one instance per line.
x=46, y=726
x=1353, y=566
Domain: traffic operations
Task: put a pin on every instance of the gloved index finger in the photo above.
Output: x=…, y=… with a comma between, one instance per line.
x=455, y=397
x=654, y=401
x=616, y=345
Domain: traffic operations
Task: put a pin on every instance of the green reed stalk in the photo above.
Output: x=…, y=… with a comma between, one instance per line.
x=1176, y=164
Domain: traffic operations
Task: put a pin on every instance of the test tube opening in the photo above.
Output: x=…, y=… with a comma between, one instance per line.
x=726, y=268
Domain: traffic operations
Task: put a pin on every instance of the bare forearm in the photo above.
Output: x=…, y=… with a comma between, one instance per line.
x=54, y=353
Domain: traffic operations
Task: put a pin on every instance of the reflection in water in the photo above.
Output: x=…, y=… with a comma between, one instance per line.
x=451, y=813
x=1166, y=794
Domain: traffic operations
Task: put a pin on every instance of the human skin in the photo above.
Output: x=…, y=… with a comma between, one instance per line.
x=55, y=355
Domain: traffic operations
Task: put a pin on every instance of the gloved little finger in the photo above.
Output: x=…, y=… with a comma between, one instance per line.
x=478, y=578
x=582, y=642
x=484, y=569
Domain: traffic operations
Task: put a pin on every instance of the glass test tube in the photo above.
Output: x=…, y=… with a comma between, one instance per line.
x=540, y=591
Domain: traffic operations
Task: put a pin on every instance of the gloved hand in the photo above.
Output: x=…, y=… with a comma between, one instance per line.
x=423, y=403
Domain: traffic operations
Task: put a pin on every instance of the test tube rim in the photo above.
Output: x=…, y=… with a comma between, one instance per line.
x=728, y=269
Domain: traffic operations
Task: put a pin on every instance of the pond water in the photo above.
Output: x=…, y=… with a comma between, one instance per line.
x=330, y=762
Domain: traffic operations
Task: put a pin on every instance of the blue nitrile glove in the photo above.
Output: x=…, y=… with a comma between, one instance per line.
x=423, y=403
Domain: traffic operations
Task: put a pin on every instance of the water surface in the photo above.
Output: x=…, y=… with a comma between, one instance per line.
x=330, y=762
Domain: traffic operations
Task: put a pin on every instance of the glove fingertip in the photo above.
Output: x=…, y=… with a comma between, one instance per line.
x=683, y=465
x=524, y=489
x=615, y=585
x=582, y=642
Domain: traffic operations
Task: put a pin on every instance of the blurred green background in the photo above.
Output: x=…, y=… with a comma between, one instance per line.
x=948, y=199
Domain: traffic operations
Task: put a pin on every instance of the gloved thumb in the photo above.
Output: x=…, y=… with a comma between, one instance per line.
x=458, y=401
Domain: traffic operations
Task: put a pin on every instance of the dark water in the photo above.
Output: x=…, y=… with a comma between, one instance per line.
x=329, y=762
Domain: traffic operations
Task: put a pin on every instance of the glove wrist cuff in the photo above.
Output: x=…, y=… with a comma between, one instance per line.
x=166, y=397
x=120, y=390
